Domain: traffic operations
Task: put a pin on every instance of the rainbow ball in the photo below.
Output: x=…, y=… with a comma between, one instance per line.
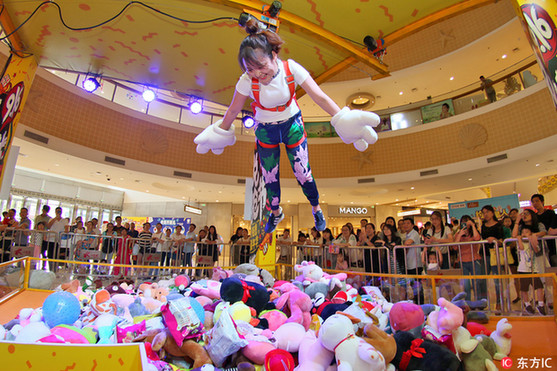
x=61, y=308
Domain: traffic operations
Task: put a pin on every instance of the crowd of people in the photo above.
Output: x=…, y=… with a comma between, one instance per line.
x=369, y=250
x=442, y=245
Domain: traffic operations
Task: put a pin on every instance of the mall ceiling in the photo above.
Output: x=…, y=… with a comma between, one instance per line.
x=159, y=43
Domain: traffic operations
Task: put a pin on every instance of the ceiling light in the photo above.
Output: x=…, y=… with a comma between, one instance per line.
x=360, y=100
x=537, y=164
x=400, y=93
x=90, y=84
x=451, y=78
x=248, y=121
x=411, y=187
x=196, y=105
x=149, y=95
x=504, y=56
x=469, y=179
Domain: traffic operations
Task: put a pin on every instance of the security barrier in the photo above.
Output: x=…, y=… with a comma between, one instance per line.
x=110, y=257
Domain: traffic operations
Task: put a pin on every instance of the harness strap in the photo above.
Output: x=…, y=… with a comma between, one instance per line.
x=256, y=88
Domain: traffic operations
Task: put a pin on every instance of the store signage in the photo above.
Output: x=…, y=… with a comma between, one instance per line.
x=408, y=213
x=353, y=210
x=193, y=210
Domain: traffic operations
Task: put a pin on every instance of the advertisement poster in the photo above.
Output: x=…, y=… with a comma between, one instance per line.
x=539, y=18
x=171, y=223
x=15, y=83
x=473, y=208
x=385, y=124
x=319, y=130
x=261, y=243
x=437, y=111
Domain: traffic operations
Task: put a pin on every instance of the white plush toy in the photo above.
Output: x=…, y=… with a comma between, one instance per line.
x=355, y=127
x=215, y=139
x=352, y=353
x=502, y=338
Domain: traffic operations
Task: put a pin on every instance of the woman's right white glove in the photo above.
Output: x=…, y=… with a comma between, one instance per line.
x=214, y=138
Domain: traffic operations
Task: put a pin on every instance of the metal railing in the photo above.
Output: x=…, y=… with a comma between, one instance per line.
x=385, y=268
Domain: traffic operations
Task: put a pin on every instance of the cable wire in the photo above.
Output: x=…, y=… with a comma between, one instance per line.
x=108, y=20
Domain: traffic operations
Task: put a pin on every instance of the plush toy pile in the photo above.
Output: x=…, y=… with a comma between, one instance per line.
x=247, y=320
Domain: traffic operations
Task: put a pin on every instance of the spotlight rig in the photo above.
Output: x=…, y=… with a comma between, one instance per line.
x=375, y=47
x=267, y=19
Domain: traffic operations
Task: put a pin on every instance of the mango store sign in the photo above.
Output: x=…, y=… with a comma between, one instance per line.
x=352, y=210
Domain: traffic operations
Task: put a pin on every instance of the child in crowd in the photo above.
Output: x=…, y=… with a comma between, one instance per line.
x=433, y=262
x=342, y=261
x=36, y=242
x=530, y=261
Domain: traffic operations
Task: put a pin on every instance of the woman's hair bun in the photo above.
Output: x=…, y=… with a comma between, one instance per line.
x=252, y=27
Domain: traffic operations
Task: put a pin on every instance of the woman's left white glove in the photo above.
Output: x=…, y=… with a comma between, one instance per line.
x=355, y=126
x=214, y=138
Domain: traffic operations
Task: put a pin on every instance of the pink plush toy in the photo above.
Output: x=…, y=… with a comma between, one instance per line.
x=441, y=324
x=212, y=290
x=182, y=281
x=220, y=273
x=300, y=305
x=274, y=317
x=312, y=356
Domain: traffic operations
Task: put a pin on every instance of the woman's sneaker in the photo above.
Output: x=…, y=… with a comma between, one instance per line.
x=320, y=223
x=273, y=221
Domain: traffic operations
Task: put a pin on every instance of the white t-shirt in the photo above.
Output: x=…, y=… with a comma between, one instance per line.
x=437, y=234
x=177, y=237
x=276, y=93
x=58, y=226
x=158, y=244
x=413, y=254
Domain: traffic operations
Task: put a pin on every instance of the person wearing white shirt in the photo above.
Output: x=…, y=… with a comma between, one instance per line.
x=178, y=239
x=345, y=242
x=412, y=254
x=57, y=225
x=189, y=246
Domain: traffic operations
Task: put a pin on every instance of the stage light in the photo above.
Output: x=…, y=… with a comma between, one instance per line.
x=196, y=105
x=90, y=84
x=248, y=120
x=275, y=8
x=149, y=95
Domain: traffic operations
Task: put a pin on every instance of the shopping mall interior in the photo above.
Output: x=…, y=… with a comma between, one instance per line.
x=107, y=123
x=109, y=152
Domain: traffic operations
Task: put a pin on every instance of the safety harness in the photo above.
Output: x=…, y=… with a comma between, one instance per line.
x=256, y=87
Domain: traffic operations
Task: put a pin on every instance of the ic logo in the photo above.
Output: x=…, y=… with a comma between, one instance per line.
x=507, y=362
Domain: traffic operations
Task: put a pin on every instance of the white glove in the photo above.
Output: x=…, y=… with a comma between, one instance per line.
x=356, y=127
x=215, y=139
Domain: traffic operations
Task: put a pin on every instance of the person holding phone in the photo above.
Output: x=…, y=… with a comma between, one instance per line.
x=470, y=258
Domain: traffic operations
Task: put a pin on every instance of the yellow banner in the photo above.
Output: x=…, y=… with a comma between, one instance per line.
x=539, y=18
x=266, y=252
x=122, y=357
x=14, y=88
